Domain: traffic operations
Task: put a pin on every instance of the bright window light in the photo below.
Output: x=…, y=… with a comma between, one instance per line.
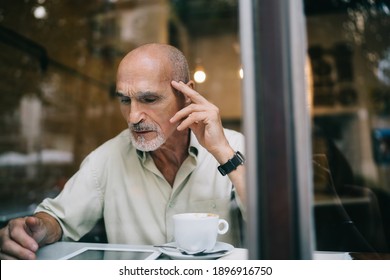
x=241, y=73
x=40, y=12
x=199, y=76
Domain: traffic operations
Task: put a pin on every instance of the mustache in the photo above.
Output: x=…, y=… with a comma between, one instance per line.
x=139, y=127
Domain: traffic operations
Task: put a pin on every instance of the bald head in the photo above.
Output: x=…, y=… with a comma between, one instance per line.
x=165, y=56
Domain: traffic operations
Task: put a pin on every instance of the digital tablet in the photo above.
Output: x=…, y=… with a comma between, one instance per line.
x=95, y=253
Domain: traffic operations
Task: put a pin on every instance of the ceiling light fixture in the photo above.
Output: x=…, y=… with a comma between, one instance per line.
x=40, y=12
x=199, y=75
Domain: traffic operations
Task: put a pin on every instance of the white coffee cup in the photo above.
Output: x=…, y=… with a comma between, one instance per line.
x=194, y=232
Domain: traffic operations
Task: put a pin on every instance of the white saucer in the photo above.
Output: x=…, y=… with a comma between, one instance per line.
x=176, y=255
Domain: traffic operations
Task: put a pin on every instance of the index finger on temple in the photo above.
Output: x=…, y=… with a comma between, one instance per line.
x=187, y=91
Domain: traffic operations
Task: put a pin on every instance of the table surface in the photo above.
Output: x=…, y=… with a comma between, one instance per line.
x=59, y=250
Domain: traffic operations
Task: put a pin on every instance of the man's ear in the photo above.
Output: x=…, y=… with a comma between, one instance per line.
x=191, y=84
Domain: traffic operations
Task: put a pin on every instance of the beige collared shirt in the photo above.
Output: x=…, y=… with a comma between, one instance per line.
x=123, y=185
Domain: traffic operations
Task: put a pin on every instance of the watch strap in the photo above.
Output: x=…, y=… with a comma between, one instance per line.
x=232, y=164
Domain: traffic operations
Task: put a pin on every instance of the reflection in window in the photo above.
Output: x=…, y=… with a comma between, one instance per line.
x=349, y=53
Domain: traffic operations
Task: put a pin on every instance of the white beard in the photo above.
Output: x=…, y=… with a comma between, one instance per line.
x=140, y=143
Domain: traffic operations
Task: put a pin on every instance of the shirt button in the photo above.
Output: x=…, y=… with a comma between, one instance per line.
x=213, y=205
x=171, y=204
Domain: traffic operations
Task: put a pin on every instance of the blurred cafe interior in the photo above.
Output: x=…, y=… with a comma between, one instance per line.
x=319, y=170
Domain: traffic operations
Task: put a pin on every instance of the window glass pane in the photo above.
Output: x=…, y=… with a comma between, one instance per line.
x=349, y=51
x=58, y=65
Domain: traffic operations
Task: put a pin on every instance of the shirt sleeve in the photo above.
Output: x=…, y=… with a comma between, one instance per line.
x=80, y=205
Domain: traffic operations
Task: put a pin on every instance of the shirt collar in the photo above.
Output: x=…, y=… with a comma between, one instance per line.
x=194, y=147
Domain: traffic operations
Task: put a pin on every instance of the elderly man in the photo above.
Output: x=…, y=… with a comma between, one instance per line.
x=172, y=159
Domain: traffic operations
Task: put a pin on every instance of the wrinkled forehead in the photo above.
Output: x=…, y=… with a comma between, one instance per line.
x=146, y=63
x=143, y=73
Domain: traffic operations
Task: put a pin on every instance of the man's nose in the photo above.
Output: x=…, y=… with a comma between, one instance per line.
x=136, y=113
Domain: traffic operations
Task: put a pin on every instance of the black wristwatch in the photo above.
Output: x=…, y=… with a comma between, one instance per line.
x=232, y=164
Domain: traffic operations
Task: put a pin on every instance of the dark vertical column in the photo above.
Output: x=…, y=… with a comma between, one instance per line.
x=271, y=124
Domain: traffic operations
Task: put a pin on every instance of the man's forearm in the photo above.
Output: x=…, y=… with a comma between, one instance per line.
x=54, y=230
x=237, y=177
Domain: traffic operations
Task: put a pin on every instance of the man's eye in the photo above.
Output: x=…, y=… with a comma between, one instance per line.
x=149, y=99
x=125, y=100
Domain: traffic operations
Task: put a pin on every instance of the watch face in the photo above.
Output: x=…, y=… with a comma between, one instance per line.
x=241, y=157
